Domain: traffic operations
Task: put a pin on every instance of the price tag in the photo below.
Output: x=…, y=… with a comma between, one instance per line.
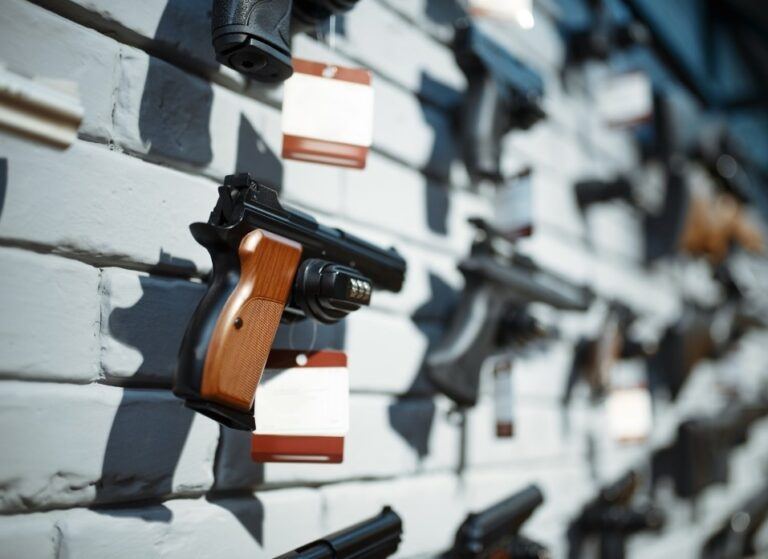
x=513, y=207
x=629, y=414
x=328, y=114
x=625, y=99
x=519, y=11
x=503, y=397
x=302, y=408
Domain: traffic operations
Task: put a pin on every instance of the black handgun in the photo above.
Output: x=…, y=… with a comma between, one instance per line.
x=594, y=358
x=270, y=263
x=502, y=94
x=497, y=286
x=254, y=37
x=603, y=35
x=699, y=456
x=736, y=538
x=375, y=538
x=611, y=518
x=495, y=532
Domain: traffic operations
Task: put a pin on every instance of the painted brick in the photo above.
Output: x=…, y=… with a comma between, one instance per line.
x=50, y=317
x=97, y=444
x=411, y=435
x=255, y=525
x=43, y=44
x=423, y=534
x=102, y=206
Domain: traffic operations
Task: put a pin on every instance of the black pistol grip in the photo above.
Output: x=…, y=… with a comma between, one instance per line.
x=482, y=123
x=454, y=365
x=253, y=37
x=590, y=192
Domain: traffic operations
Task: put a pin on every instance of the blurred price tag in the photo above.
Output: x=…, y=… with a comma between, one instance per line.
x=625, y=99
x=513, y=206
x=629, y=414
x=328, y=114
x=302, y=408
x=519, y=11
x=503, y=397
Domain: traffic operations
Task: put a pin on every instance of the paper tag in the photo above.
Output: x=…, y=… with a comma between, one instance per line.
x=519, y=11
x=629, y=414
x=513, y=206
x=301, y=408
x=607, y=350
x=503, y=397
x=625, y=99
x=328, y=114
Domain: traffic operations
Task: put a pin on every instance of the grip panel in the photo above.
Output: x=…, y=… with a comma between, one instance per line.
x=246, y=328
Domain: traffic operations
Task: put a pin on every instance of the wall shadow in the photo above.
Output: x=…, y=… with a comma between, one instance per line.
x=442, y=151
x=412, y=415
x=3, y=182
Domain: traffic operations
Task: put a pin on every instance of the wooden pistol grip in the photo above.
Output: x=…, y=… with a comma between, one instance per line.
x=246, y=327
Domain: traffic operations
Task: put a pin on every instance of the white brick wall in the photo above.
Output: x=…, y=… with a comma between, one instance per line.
x=100, y=274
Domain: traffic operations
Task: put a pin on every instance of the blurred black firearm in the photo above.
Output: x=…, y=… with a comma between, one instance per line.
x=495, y=532
x=699, y=456
x=502, y=94
x=610, y=519
x=375, y=538
x=736, y=538
x=594, y=358
x=490, y=315
x=254, y=37
x=603, y=35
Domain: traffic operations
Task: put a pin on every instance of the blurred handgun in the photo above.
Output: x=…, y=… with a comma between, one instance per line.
x=254, y=37
x=603, y=35
x=699, y=334
x=610, y=519
x=736, y=537
x=502, y=94
x=497, y=287
x=270, y=263
x=699, y=456
x=495, y=532
x=375, y=538
x=594, y=358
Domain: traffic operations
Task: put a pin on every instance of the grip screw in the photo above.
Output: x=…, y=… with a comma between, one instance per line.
x=238, y=323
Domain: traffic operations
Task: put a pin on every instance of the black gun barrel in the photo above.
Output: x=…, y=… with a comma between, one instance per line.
x=527, y=283
x=493, y=527
x=385, y=268
x=375, y=538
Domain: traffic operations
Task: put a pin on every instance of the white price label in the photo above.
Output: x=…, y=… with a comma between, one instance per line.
x=504, y=397
x=303, y=400
x=630, y=414
x=513, y=206
x=328, y=114
x=519, y=11
x=625, y=99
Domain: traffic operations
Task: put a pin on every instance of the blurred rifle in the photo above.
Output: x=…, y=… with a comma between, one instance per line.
x=610, y=519
x=375, y=538
x=491, y=313
x=735, y=539
x=699, y=456
x=495, y=532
